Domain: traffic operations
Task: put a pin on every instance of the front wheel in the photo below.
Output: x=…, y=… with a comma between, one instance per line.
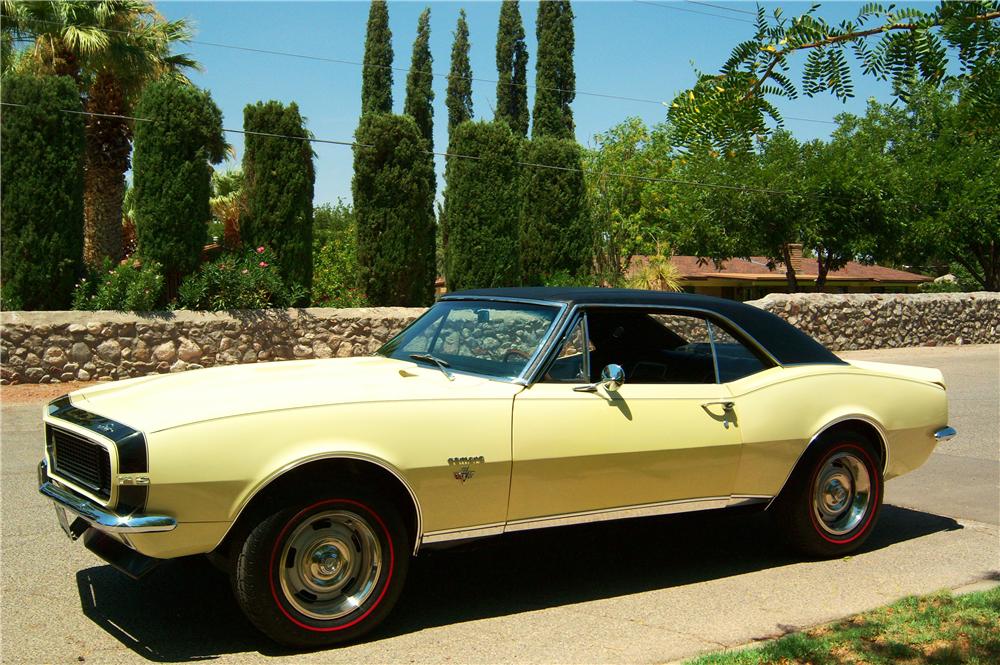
x=324, y=571
x=832, y=502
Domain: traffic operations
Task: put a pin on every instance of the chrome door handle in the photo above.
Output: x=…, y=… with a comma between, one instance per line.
x=727, y=408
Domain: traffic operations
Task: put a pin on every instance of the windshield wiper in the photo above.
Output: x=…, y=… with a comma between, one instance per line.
x=442, y=365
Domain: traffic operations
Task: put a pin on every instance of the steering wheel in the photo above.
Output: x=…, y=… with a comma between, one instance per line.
x=514, y=353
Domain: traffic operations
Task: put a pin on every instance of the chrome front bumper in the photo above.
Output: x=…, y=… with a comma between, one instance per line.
x=97, y=516
x=945, y=434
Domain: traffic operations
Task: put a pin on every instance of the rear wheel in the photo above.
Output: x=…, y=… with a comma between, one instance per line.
x=833, y=499
x=321, y=572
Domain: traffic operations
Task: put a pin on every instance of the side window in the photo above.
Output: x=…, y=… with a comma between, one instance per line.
x=570, y=366
x=734, y=359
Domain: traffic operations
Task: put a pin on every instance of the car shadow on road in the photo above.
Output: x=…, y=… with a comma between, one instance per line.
x=185, y=610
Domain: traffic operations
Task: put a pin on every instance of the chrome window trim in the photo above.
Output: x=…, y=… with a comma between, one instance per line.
x=261, y=486
x=561, y=340
x=742, y=335
x=836, y=421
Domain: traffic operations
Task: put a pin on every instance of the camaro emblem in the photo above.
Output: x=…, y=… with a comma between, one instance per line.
x=462, y=465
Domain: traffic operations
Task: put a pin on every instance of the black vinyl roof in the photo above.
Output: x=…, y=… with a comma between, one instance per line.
x=788, y=344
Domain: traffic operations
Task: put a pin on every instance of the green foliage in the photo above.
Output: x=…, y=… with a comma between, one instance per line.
x=946, y=159
x=172, y=182
x=419, y=93
x=376, y=75
x=392, y=184
x=481, y=196
x=628, y=214
x=946, y=286
x=555, y=79
x=333, y=221
x=419, y=105
x=459, y=98
x=512, y=68
x=279, y=177
x=726, y=110
x=227, y=203
x=42, y=200
x=136, y=285
x=554, y=222
x=335, y=257
x=248, y=279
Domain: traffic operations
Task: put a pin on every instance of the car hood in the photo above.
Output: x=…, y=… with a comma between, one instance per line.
x=164, y=401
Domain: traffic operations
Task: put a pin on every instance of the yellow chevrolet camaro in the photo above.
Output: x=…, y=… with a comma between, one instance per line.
x=313, y=482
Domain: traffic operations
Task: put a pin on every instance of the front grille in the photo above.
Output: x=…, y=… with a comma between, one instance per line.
x=80, y=461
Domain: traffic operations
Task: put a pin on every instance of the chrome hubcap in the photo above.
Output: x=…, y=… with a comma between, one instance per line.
x=330, y=564
x=842, y=494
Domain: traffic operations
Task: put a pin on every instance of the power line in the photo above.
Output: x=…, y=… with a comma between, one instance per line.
x=694, y=11
x=316, y=58
x=725, y=7
x=340, y=61
x=627, y=176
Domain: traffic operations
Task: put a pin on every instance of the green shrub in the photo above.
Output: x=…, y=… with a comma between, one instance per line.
x=941, y=287
x=335, y=274
x=136, y=285
x=278, y=177
x=42, y=195
x=172, y=176
x=555, y=225
x=481, y=203
x=239, y=280
x=393, y=180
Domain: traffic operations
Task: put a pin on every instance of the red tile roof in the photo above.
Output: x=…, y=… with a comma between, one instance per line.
x=755, y=269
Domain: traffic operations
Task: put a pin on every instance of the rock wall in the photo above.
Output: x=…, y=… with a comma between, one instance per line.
x=44, y=347
x=845, y=322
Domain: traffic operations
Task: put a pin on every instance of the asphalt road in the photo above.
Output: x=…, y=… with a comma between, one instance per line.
x=650, y=590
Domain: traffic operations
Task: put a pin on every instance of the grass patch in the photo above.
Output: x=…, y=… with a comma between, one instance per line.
x=939, y=629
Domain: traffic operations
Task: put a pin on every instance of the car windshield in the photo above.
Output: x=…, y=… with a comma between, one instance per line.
x=495, y=339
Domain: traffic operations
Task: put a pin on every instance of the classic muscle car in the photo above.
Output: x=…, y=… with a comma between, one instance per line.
x=314, y=482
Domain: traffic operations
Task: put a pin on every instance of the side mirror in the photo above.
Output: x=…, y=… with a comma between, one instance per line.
x=612, y=378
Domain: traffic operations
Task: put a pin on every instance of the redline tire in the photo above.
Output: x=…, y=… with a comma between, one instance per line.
x=322, y=571
x=833, y=500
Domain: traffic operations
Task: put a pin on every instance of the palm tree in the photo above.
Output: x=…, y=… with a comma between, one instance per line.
x=112, y=49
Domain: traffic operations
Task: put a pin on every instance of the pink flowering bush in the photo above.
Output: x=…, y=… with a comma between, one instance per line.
x=237, y=280
x=135, y=285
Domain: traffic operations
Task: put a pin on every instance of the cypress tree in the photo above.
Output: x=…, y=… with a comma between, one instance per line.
x=393, y=180
x=459, y=99
x=483, y=241
x=512, y=66
x=376, y=75
x=419, y=93
x=554, y=226
x=278, y=180
x=419, y=106
x=172, y=176
x=554, y=78
x=42, y=202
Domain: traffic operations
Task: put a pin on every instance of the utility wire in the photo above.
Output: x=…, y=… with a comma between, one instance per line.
x=725, y=7
x=627, y=176
x=694, y=11
x=316, y=58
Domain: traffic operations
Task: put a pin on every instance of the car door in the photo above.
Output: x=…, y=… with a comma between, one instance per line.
x=666, y=440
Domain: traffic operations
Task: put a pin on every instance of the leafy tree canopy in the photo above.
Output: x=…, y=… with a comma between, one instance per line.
x=724, y=111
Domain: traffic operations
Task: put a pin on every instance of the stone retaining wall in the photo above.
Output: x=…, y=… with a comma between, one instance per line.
x=44, y=347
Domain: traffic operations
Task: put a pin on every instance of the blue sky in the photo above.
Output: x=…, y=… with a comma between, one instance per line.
x=644, y=50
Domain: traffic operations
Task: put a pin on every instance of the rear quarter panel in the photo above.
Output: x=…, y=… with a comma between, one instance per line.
x=781, y=409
